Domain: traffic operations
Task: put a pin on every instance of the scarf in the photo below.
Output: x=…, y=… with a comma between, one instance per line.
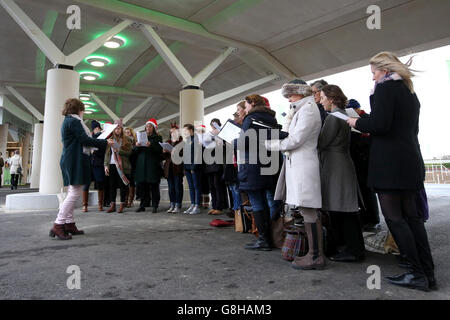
x=86, y=150
x=393, y=76
x=118, y=161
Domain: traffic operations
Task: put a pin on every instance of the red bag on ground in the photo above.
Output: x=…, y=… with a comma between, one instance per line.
x=221, y=223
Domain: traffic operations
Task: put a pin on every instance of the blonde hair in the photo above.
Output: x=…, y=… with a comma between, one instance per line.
x=132, y=132
x=389, y=61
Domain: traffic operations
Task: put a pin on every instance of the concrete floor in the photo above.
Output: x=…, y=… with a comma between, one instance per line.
x=162, y=256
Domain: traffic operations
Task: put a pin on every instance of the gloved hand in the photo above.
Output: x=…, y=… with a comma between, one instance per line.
x=272, y=145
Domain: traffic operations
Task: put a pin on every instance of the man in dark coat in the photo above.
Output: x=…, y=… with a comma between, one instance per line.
x=149, y=167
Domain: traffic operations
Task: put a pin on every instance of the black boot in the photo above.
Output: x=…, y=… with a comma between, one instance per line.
x=263, y=241
x=410, y=280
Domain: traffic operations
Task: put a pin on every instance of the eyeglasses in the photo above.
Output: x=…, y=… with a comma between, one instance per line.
x=314, y=92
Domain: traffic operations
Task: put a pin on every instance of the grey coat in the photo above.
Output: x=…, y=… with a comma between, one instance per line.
x=337, y=173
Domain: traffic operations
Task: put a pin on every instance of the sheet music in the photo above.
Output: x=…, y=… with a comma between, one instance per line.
x=340, y=115
x=229, y=132
x=166, y=146
x=142, y=138
x=108, y=131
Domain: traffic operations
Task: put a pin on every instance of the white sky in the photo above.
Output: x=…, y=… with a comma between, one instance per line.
x=432, y=86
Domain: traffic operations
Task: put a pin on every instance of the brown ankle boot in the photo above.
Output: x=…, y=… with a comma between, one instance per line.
x=59, y=231
x=101, y=198
x=72, y=229
x=122, y=207
x=112, y=208
x=131, y=197
x=85, y=201
x=315, y=258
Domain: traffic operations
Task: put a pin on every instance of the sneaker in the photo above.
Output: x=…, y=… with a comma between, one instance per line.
x=195, y=210
x=189, y=209
x=172, y=207
x=176, y=209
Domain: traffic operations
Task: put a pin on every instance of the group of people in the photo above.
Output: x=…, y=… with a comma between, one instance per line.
x=326, y=168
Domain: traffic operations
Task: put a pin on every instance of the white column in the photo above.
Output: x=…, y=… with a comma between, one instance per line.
x=37, y=153
x=4, y=144
x=62, y=84
x=26, y=157
x=191, y=106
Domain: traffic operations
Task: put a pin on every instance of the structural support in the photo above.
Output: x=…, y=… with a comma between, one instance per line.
x=26, y=104
x=104, y=106
x=37, y=154
x=164, y=51
x=210, y=68
x=191, y=106
x=62, y=84
x=136, y=110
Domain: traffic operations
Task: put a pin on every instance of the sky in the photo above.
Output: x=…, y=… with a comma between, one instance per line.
x=432, y=85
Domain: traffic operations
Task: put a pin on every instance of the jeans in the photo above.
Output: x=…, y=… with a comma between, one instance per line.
x=236, y=196
x=175, y=184
x=258, y=200
x=195, y=187
x=274, y=205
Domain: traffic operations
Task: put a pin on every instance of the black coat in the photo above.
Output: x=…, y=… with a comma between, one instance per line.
x=98, y=156
x=395, y=160
x=149, y=161
x=249, y=175
x=75, y=165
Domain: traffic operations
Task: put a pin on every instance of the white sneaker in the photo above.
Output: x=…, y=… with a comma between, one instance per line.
x=176, y=209
x=172, y=207
x=195, y=210
x=189, y=209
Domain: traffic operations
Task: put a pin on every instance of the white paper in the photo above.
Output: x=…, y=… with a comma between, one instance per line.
x=339, y=115
x=229, y=132
x=142, y=138
x=109, y=128
x=352, y=113
x=166, y=146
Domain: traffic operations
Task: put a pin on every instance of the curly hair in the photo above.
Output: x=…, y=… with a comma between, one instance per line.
x=72, y=106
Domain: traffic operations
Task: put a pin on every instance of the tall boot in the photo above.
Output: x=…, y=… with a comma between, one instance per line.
x=112, y=208
x=315, y=258
x=59, y=231
x=85, y=200
x=131, y=197
x=263, y=241
x=101, y=198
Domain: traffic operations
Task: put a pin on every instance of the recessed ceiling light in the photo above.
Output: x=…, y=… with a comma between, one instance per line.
x=85, y=96
x=87, y=111
x=90, y=75
x=98, y=61
x=115, y=42
x=90, y=103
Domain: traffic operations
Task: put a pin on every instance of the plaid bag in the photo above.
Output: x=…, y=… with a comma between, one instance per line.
x=295, y=243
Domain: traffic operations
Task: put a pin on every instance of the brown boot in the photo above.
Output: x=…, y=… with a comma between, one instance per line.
x=315, y=258
x=71, y=228
x=112, y=208
x=131, y=197
x=101, y=198
x=122, y=207
x=85, y=201
x=59, y=231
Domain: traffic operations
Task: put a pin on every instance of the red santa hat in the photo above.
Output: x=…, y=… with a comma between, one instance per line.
x=153, y=122
x=267, y=102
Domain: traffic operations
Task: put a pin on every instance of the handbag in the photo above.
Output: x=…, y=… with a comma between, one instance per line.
x=278, y=230
x=221, y=223
x=295, y=244
x=19, y=170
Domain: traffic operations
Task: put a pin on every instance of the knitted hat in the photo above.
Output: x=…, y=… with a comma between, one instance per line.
x=153, y=122
x=95, y=124
x=296, y=86
x=352, y=103
x=119, y=123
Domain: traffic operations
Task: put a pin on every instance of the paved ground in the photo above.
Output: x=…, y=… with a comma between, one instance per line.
x=162, y=256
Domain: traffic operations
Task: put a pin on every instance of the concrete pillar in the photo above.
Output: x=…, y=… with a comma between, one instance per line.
x=4, y=143
x=62, y=84
x=191, y=105
x=26, y=157
x=37, y=153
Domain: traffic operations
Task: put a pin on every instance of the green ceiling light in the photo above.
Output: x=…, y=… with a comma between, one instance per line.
x=91, y=109
x=85, y=96
x=90, y=75
x=115, y=42
x=87, y=111
x=90, y=103
x=98, y=61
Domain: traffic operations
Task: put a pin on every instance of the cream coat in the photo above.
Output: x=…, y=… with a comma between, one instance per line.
x=302, y=161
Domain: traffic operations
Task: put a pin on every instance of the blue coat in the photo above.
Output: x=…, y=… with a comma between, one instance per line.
x=75, y=165
x=249, y=175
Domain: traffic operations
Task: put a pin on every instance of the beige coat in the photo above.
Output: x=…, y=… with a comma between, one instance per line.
x=302, y=161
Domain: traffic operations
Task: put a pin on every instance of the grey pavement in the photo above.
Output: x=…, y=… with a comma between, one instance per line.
x=163, y=256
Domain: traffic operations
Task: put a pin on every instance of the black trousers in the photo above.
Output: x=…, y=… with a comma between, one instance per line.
x=14, y=180
x=149, y=192
x=218, y=190
x=347, y=231
x=407, y=228
x=116, y=182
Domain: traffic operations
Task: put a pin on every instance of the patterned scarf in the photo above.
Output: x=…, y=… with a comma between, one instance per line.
x=118, y=161
x=393, y=76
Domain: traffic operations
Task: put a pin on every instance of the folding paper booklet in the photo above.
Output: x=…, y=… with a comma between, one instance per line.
x=229, y=132
x=353, y=114
x=109, y=128
x=142, y=138
x=340, y=115
x=166, y=146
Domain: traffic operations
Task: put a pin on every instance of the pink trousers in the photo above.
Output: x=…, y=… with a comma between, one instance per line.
x=65, y=214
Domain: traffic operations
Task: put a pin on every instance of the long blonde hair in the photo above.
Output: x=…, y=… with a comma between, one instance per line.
x=389, y=61
x=133, y=134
